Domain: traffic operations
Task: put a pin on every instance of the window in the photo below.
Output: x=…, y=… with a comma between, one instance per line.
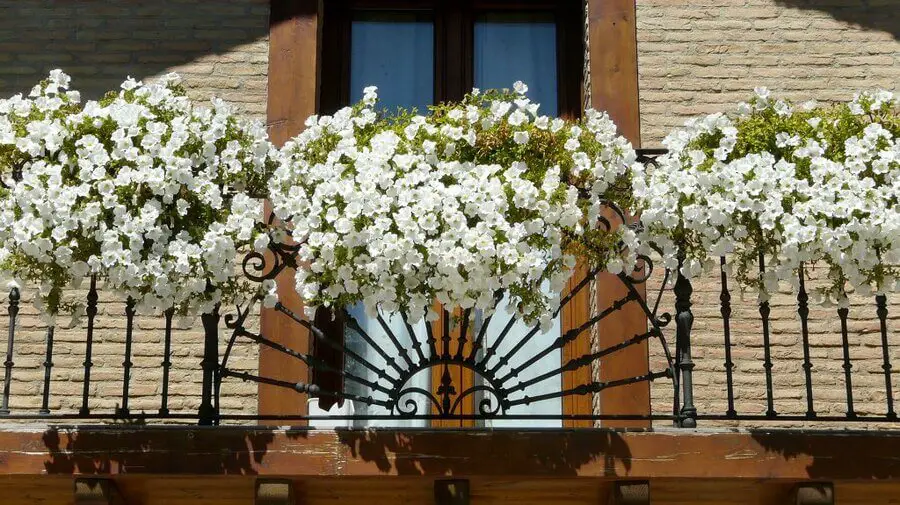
x=419, y=53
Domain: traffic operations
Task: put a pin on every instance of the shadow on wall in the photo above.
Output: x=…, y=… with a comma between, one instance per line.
x=882, y=15
x=99, y=43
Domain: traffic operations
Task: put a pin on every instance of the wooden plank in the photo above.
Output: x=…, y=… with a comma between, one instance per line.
x=614, y=88
x=36, y=490
x=606, y=454
x=614, y=78
x=293, y=64
x=574, y=314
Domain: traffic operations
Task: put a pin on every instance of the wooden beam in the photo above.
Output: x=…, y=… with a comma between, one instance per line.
x=92, y=491
x=293, y=78
x=614, y=88
x=612, y=33
x=605, y=454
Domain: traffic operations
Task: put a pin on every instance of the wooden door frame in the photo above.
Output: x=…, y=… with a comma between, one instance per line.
x=295, y=37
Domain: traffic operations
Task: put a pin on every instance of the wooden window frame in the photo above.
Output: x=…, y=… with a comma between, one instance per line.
x=302, y=82
x=454, y=23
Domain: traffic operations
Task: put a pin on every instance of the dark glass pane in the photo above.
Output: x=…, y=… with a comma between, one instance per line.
x=518, y=46
x=394, y=51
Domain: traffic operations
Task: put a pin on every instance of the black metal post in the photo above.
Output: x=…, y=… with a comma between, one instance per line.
x=167, y=362
x=210, y=363
x=684, y=320
x=48, y=366
x=803, y=312
x=843, y=313
x=725, y=310
x=91, y=311
x=882, y=312
x=127, y=364
x=764, y=311
x=8, y=364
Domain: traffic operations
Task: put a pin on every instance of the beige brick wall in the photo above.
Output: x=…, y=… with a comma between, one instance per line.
x=789, y=393
x=219, y=46
x=703, y=56
x=108, y=354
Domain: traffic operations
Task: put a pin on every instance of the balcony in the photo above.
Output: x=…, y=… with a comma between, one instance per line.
x=722, y=387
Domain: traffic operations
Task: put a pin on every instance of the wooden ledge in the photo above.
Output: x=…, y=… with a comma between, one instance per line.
x=608, y=454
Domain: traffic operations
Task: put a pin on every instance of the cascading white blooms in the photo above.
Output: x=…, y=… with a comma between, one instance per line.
x=474, y=198
x=803, y=184
x=144, y=189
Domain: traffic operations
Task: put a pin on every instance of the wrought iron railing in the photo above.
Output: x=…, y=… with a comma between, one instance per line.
x=513, y=371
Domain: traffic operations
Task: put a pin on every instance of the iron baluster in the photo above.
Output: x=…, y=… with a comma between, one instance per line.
x=166, y=362
x=843, y=312
x=13, y=311
x=91, y=312
x=803, y=312
x=764, y=311
x=209, y=365
x=48, y=366
x=463, y=334
x=684, y=320
x=445, y=338
x=402, y=351
x=413, y=337
x=882, y=312
x=725, y=310
x=127, y=364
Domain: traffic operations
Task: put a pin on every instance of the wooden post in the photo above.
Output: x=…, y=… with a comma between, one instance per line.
x=294, y=27
x=614, y=88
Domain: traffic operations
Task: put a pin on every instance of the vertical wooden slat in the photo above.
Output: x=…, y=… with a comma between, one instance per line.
x=614, y=88
x=294, y=28
x=574, y=314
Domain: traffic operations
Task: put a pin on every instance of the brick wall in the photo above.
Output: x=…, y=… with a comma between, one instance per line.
x=702, y=56
x=218, y=46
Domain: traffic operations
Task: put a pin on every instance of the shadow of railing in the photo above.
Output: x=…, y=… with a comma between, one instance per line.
x=133, y=447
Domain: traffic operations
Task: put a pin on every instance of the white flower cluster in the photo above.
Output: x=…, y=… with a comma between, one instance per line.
x=797, y=185
x=144, y=188
x=476, y=198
